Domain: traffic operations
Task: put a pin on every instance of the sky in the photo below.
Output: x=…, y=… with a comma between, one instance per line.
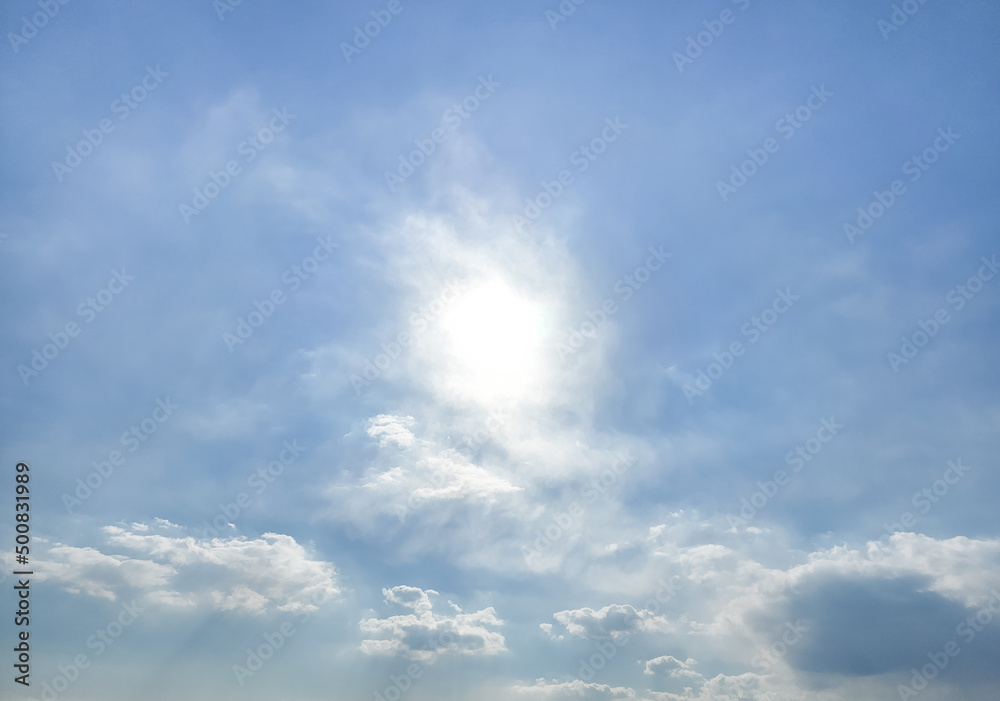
x=417, y=349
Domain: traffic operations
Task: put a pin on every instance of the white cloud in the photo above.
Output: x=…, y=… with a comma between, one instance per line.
x=737, y=592
x=961, y=569
x=616, y=621
x=391, y=429
x=672, y=667
x=547, y=629
x=424, y=635
x=91, y=572
x=576, y=689
x=410, y=597
x=747, y=687
x=415, y=472
x=241, y=597
x=228, y=574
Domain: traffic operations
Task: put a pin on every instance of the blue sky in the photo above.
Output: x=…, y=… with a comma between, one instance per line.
x=514, y=351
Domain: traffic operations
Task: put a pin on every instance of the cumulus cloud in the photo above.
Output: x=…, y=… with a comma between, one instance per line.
x=738, y=593
x=424, y=635
x=410, y=597
x=91, y=572
x=547, y=629
x=747, y=687
x=227, y=574
x=672, y=667
x=615, y=621
x=960, y=569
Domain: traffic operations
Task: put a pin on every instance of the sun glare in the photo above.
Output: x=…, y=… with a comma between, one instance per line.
x=494, y=340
